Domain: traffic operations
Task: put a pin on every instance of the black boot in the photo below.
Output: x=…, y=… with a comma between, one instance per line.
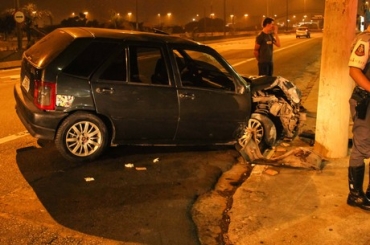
x=356, y=195
x=367, y=194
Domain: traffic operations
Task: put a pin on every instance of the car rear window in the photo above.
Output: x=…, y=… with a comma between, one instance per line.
x=91, y=57
x=56, y=42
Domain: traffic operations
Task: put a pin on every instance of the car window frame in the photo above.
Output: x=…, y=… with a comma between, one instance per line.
x=240, y=83
x=125, y=48
x=164, y=55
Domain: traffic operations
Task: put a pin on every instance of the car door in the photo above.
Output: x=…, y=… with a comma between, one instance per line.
x=211, y=108
x=127, y=92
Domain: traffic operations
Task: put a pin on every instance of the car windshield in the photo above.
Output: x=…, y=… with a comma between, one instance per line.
x=201, y=69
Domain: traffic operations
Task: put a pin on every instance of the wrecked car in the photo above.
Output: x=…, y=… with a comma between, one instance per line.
x=89, y=88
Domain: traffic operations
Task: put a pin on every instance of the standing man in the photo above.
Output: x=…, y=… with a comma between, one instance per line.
x=263, y=47
x=359, y=70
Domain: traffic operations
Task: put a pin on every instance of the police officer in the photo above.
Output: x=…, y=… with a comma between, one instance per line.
x=359, y=70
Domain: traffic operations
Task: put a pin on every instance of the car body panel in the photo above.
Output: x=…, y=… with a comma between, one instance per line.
x=39, y=124
x=139, y=112
x=211, y=116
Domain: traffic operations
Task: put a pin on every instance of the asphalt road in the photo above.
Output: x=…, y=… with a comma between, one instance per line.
x=45, y=200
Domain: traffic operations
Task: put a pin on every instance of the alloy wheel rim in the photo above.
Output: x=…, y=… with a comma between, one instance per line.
x=253, y=130
x=83, y=138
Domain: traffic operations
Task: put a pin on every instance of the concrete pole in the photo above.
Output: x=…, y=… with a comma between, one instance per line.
x=335, y=84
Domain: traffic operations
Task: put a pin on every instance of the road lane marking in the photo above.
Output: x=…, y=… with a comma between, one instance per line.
x=275, y=51
x=14, y=77
x=13, y=137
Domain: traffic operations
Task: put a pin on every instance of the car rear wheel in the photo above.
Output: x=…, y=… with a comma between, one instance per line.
x=81, y=137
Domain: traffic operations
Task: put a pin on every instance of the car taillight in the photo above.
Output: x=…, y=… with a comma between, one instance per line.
x=44, y=95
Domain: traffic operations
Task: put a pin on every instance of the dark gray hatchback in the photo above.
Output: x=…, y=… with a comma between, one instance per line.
x=87, y=88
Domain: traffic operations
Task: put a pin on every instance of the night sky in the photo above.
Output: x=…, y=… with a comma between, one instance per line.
x=182, y=11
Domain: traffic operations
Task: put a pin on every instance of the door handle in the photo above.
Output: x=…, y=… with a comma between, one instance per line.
x=104, y=90
x=187, y=96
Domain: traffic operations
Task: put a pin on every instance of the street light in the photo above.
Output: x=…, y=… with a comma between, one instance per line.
x=245, y=19
x=137, y=17
x=232, y=19
x=225, y=17
x=287, y=15
x=169, y=17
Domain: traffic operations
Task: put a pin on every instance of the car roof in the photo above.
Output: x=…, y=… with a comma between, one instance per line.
x=85, y=32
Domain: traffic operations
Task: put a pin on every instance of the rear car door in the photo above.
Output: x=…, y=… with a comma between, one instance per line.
x=135, y=91
x=211, y=106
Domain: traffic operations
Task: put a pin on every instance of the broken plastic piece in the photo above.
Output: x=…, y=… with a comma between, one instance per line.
x=156, y=160
x=129, y=165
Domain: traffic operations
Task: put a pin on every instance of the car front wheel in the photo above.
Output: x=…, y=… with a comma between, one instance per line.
x=81, y=137
x=254, y=131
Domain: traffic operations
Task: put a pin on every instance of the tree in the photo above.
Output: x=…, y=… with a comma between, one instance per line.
x=79, y=20
x=7, y=22
x=32, y=14
x=116, y=20
x=335, y=85
x=205, y=25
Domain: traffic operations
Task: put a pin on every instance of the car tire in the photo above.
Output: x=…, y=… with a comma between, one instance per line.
x=81, y=137
x=261, y=129
x=253, y=130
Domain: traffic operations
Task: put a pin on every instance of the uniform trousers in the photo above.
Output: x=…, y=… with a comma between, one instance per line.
x=361, y=137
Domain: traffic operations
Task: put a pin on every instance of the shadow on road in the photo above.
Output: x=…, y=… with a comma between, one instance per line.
x=149, y=206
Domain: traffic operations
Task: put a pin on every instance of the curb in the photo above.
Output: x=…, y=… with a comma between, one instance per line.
x=10, y=64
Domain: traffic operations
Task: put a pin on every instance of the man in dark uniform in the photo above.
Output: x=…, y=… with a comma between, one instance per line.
x=359, y=70
x=263, y=48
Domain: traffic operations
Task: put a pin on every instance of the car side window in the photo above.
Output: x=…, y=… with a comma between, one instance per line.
x=202, y=70
x=116, y=70
x=147, y=65
x=90, y=58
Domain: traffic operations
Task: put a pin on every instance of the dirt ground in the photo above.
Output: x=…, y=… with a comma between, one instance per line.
x=210, y=211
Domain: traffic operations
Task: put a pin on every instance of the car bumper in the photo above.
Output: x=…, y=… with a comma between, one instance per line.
x=40, y=124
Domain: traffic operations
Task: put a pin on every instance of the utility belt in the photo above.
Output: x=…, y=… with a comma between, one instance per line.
x=362, y=97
